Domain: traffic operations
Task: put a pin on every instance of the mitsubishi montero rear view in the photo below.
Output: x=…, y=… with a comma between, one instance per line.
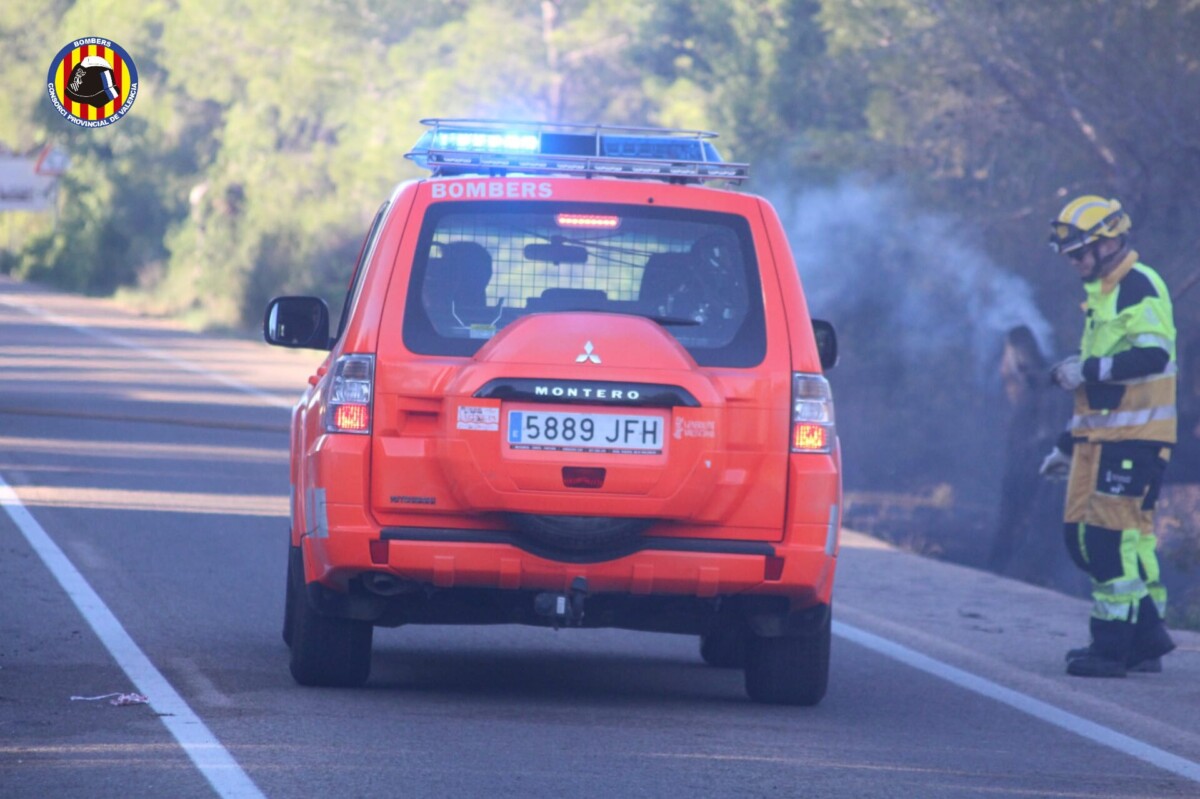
x=571, y=385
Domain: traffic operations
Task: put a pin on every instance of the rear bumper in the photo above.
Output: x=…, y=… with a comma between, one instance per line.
x=446, y=576
x=455, y=535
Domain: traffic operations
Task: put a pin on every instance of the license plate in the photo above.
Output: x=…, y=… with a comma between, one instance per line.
x=623, y=434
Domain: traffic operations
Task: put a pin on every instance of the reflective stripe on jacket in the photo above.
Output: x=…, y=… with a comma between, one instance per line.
x=1129, y=309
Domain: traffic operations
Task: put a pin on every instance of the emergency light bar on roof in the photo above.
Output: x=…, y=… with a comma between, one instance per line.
x=493, y=147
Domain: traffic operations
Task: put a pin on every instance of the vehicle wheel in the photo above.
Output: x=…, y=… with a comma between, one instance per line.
x=326, y=651
x=580, y=533
x=789, y=670
x=287, y=608
x=725, y=647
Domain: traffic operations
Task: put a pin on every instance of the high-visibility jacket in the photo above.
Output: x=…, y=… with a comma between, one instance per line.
x=1128, y=355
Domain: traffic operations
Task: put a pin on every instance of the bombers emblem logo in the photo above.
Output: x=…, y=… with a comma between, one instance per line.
x=92, y=82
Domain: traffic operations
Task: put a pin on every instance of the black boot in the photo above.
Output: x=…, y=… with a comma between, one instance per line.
x=1109, y=652
x=1150, y=639
x=1135, y=662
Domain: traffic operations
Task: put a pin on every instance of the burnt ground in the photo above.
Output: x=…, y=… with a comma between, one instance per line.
x=1026, y=544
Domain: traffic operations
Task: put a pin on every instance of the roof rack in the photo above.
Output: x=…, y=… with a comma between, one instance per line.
x=497, y=147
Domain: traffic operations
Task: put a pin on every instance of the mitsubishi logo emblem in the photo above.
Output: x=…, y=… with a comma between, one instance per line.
x=588, y=356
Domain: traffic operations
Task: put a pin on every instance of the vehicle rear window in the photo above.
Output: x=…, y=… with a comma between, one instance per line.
x=480, y=266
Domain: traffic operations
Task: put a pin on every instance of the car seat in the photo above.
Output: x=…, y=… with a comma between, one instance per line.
x=455, y=288
x=668, y=285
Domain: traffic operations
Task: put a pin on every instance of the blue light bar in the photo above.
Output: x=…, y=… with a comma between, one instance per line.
x=492, y=147
x=657, y=148
x=481, y=142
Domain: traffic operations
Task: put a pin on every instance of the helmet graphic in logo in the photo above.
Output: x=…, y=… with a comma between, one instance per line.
x=92, y=82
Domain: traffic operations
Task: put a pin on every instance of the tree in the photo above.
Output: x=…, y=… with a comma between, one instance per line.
x=1003, y=110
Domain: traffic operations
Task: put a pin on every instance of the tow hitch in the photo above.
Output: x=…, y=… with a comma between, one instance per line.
x=563, y=609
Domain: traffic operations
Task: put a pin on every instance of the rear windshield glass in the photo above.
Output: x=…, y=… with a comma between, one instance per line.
x=480, y=266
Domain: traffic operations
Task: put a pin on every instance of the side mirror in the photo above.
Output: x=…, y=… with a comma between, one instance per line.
x=827, y=346
x=299, y=322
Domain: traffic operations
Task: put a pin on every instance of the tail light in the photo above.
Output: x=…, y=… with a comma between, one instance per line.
x=813, y=429
x=348, y=407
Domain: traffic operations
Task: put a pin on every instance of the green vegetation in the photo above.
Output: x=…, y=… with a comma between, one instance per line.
x=265, y=133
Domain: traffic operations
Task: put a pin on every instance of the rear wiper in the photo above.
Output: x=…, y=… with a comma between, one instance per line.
x=665, y=321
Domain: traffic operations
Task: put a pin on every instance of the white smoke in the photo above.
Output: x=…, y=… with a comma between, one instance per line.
x=867, y=249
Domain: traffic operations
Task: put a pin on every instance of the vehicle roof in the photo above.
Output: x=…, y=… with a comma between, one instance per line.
x=594, y=189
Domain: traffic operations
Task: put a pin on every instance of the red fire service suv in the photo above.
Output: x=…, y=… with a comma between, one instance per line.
x=572, y=386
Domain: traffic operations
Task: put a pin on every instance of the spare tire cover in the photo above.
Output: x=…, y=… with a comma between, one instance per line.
x=580, y=533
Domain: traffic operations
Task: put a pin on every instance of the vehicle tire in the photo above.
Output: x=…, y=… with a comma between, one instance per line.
x=789, y=670
x=580, y=534
x=725, y=647
x=288, y=601
x=326, y=651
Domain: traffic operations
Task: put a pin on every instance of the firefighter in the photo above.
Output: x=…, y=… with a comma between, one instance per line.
x=1119, y=438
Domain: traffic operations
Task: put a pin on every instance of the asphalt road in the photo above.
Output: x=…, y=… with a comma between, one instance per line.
x=143, y=475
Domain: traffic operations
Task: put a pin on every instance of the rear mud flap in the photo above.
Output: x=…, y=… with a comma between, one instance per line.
x=770, y=617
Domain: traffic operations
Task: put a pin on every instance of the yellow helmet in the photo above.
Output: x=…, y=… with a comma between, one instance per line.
x=1087, y=219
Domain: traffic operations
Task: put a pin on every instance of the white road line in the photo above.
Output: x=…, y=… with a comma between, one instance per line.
x=1048, y=713
x=205, y=751
x=246, y=388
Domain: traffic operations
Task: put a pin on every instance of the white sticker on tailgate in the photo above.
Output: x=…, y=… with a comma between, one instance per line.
x=478, y=418
x=623, y=434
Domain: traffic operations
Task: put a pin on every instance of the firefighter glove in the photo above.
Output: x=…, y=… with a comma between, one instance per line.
x=1068, y=373
x=1056, y=465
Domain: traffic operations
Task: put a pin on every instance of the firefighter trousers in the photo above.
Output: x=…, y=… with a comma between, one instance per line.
x=1109, y=527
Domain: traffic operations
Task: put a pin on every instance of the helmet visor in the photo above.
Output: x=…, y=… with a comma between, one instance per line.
x=1065, y=238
